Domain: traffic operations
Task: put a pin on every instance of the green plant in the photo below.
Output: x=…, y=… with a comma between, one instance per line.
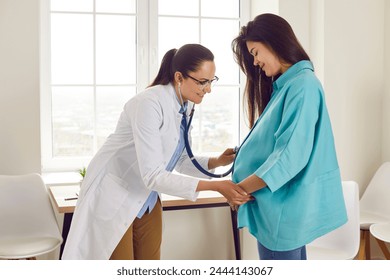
x=82, y=172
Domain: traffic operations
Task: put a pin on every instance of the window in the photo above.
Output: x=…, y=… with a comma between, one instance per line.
x=100, y=53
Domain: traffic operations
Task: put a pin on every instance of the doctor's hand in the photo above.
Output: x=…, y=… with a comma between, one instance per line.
x=227, y=157
x=234, y=194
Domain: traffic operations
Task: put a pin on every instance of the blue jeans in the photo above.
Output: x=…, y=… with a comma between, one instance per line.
x=296, y=254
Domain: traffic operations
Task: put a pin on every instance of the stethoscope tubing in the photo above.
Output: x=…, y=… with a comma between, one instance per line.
x=191, y=155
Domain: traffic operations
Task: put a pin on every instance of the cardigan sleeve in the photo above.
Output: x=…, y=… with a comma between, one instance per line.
x=294, y=138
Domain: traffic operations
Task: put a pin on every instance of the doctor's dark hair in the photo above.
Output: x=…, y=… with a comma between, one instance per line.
x=276, y=33
x=186, y=59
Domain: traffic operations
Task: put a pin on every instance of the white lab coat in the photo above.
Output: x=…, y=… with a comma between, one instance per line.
x=126, y=169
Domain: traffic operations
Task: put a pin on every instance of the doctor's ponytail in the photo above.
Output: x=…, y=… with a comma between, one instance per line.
x=164, y=73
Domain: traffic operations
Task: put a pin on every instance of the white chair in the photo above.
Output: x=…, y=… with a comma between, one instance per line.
x=381, y=232
x=28, y=227
x=343, y=242
x=374, y=207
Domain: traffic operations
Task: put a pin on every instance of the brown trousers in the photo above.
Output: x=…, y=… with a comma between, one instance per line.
x=142, y=241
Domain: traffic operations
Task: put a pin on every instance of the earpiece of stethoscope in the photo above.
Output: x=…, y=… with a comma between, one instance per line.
x=191, y=155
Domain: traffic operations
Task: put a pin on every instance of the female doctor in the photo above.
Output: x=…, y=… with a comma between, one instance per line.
x=118, y=213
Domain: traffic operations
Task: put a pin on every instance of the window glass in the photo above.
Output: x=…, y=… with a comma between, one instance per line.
x=175, y=32
x=109, y=105
x=115, y=49
x=71, y=44
x=72, y=5
x=227, y=69
x=72, y=120
x=102, y=52
x=215, y=122
x=115, y=6
x=220, y=8
x=211, y=133
x=178, y=7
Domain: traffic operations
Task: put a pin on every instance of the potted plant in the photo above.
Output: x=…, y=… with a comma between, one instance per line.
x=82, y=173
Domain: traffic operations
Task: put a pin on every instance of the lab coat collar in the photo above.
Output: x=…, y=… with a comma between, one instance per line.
x=176, y=102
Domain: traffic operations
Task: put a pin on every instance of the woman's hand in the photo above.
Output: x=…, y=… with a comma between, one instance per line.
x=227, y=157
x=234, y=194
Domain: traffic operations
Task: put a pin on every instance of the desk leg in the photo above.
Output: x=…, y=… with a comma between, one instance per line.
x=65, y=230
x=236, y=234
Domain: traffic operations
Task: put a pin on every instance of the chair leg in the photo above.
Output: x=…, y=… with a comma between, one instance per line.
x=368, y=244
x=362, y=254
x=364, y=249
x=384, y=249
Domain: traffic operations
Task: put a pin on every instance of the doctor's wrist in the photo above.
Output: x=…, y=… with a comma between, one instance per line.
x=213, y=163
x=208, y=186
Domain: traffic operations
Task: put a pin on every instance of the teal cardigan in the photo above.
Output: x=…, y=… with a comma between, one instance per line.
x=291, y=148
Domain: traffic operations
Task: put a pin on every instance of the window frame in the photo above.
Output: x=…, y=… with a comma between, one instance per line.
x=147, y=67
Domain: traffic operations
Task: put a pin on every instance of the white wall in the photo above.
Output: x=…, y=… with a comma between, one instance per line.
x=197, y=234
x=264, y=6
x=354, y=83
x=386, y=99
x=19, y=87
x=20, y=144
x=297, y=13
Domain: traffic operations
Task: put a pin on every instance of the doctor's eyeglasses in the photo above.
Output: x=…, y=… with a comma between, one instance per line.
x=203, y=84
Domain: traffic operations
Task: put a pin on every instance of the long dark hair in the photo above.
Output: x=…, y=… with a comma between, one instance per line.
x=186, y=59
x=277, y=34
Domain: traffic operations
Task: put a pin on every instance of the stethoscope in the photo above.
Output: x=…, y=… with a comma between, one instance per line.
x=189, y=151
x=188, y=147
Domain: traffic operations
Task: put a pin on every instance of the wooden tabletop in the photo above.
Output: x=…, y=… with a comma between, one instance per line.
x=65, y=199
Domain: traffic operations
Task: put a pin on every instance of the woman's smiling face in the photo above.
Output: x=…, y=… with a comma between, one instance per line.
x=266, y=59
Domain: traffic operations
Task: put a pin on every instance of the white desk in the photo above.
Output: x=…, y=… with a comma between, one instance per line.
x=65, y=199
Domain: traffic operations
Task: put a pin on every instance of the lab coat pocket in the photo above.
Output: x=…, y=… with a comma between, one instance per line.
x=109, y=197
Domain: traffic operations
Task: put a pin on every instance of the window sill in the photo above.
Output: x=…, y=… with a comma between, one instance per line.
x=61, y=178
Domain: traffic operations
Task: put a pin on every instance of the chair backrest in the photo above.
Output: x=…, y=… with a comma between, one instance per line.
x=376, y=197
x=26, y=213
x=343, y=242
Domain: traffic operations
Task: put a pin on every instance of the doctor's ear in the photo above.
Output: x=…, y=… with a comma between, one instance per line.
x=178, y=77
